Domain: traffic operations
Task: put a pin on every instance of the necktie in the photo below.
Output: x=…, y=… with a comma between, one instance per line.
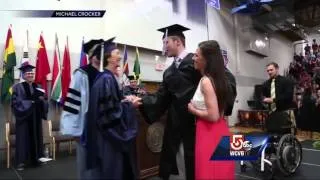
x=177, y=62
x=273, y=95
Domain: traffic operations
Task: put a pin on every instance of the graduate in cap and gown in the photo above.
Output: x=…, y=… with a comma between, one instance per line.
x=113, y=127
x=29, y=106
x=179, y=83
x=76, y=105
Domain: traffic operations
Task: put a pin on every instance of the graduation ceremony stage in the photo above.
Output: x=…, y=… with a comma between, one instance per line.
x=65, y=166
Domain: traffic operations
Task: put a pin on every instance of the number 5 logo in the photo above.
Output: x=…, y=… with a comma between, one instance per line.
x=236, y=142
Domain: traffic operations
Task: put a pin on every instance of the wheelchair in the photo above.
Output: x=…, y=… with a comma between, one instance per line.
x=282, y=151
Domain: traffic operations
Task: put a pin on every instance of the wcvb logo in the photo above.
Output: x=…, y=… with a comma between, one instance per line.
x=239, y=146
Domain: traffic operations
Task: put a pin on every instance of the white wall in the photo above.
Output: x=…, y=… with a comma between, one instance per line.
x=132, y=22
x=233, y=33
x=135, y=24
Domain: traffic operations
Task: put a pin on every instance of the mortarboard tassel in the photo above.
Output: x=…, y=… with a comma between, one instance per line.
x=164, y=48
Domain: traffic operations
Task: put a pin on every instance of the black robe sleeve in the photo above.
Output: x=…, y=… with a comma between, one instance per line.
x=232, y=92
x=21, y=105
x=154, y=105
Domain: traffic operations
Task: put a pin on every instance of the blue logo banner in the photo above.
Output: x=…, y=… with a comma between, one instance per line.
x=240, y=147
x=214, y=3
x=59, y=13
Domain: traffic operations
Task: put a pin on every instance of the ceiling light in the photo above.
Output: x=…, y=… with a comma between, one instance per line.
x=294, y=25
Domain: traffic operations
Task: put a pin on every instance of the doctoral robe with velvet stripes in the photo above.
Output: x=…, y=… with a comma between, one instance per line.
x=76, y=103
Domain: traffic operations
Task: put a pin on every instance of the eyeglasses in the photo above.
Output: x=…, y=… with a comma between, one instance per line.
x=29, y=73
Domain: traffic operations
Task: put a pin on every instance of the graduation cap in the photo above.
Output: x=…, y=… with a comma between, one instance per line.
x=133, y=77
x=26, y=67
x=173, y=30
x=93, y=47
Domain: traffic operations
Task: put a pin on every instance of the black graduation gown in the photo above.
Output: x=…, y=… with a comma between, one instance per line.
x=112, y=128
x=174, y=94
x=307, y=111
x=232, y=92
x=29, y=111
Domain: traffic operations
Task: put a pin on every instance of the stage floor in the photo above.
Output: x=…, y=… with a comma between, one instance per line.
x=65, y=166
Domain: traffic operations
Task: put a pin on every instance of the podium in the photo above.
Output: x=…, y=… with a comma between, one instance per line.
x=149, y=141
x=149, y=145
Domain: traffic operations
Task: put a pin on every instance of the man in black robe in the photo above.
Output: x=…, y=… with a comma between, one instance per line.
x=112, y=127
x=179, y=83
x=29, y=107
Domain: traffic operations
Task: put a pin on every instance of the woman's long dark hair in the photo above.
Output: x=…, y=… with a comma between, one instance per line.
x=215, y=70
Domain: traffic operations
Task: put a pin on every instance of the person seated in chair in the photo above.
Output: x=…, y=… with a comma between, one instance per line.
x=278, y=94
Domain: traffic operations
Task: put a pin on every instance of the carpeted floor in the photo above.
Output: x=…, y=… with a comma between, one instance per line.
x=63, y=168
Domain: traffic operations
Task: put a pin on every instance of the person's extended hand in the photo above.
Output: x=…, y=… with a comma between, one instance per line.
x=136, y=101
x=268, y=100
x=129, y=98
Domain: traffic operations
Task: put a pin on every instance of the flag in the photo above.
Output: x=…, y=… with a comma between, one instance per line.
x=25, y=56
x=66, y=72
x=56, y=91
x=125, y=62
x=42, y=65
x=136, y=67
x=83, y=56
x=8, y=67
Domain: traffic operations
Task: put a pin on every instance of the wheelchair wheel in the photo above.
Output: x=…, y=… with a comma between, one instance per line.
x=289, y=154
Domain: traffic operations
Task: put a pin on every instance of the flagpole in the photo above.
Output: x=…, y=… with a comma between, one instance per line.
x=58, y=49
x=101, y=57
x=207, y=20
x=67, y=47
x=67, y=41
x=124, y=53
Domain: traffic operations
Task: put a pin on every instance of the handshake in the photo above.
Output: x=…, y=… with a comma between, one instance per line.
x=135, y=100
